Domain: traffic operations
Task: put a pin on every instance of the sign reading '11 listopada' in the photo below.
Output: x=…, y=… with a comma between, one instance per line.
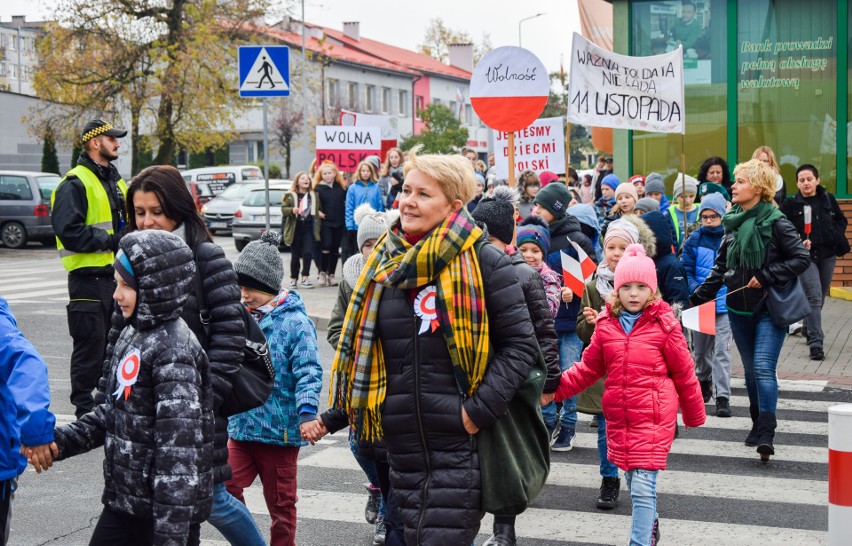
x=612, y=90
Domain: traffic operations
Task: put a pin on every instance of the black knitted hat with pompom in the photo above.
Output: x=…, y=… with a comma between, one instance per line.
x=498, y=212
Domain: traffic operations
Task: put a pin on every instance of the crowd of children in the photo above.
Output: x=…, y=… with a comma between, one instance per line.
x=157, y=418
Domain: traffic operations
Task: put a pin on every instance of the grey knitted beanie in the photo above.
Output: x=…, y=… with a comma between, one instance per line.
x=259, y=265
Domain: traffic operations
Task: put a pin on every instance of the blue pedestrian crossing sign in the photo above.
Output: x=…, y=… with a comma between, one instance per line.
x=264, y=71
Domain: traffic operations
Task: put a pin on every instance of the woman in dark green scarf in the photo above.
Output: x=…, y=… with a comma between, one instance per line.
x=761, y=248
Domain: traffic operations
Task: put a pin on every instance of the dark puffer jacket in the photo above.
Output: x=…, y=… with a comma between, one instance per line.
x=224, y=345
x=158, y=435
x=542, y=321
x=433, y=460
x=562, y=233
x=671, y=276
x=786, y=259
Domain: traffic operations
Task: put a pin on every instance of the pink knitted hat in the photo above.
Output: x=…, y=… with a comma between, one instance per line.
x=626, y=187
x=636, y=266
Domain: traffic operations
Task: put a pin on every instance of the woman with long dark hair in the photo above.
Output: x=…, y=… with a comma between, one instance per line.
x=714, y=170
x=158, y=198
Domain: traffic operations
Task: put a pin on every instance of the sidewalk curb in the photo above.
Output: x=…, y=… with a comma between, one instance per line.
x=841, y=292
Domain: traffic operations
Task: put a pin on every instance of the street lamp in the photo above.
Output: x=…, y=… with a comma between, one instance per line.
x=526, y=19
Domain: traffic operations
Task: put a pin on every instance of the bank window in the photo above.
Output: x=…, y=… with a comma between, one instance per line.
x=352, y=95
x=787, y=90
x=370, y=97
x=386, y=100
x=699, y=26
x=403, y=103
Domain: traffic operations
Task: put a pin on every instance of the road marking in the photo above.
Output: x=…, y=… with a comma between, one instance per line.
x=819, y=406
x=744, y=424
x=39, y=293
x=798, y=385
x=550, y=524
x=12, y=287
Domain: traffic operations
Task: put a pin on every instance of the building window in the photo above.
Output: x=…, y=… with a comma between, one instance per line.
x=2, y=69
x=436, y=102
x=13, y=71
x=418, y=106
x=468, y=114
x=386, y=100
x=13, y=43
x=333, y=92
x=403, y=103
x=353, y=96
x=370, y=98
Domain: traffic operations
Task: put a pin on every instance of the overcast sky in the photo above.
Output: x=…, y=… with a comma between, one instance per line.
x=403, y=22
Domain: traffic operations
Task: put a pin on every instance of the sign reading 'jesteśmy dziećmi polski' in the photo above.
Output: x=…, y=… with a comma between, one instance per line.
x=612, y=90
x=347, y=146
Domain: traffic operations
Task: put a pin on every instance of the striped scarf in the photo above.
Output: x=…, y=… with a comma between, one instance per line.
x=445, y=257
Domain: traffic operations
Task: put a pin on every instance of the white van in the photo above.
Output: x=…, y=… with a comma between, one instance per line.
x=219, y=178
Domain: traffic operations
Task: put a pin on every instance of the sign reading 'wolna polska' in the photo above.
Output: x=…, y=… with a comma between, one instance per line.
x=509, y=88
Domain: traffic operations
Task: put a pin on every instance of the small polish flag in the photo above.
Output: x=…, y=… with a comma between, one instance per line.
x=587, y=265
x=396, y=202
x=808, y=219
x=701, y=319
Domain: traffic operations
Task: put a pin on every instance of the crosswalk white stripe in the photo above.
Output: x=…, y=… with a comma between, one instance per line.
x=820, y=406
x=551, y=524
x=14, y=287
x=796, y=385
x=676, y=482
x=718, y=448
x=37, y=293
x=744, y=424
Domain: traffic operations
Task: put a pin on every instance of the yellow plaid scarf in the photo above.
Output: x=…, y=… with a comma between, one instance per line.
x=445, y=257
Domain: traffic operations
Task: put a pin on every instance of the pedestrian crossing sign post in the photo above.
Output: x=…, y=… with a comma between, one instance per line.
x=264, y=71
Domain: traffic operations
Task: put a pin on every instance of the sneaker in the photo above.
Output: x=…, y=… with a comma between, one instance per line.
x=564, y=440
x=608, y=498
x=322, y=279
x=594, y=422
x=292, y=283
x=306, y=283
x=795, y=328
x=655, y=535
x=817, y=353
x=332, y=281
x=706, y=389
x=552, y=432
x=380, y=534
x=723, y=407
x=374, y=500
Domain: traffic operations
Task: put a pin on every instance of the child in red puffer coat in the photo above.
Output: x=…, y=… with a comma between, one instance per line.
x=639, y=346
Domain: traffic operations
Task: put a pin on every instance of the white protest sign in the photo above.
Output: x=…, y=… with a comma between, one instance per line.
x=509, y=88
x=347, y=146
x=539, y=147
x=612, y=90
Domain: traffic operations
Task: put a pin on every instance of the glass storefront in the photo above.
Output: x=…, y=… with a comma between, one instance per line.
x=657, y=27
x=756, y=72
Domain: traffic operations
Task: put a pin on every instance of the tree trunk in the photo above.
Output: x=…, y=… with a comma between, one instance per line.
x=165, y=113
x=287, y=158
x=134, y=138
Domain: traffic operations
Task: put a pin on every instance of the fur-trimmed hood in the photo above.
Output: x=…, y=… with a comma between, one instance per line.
x=646, y=235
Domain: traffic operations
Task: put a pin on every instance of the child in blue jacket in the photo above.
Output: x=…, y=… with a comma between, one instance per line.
x=24, y=415
x=712, y=353
x=265, y=441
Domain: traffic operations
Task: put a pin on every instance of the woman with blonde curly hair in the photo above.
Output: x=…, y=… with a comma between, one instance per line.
x=436, y=341
x=760, y=248
x=330, y=190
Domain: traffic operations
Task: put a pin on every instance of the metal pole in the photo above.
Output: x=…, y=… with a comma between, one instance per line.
x=305, y=90
x=266, y=158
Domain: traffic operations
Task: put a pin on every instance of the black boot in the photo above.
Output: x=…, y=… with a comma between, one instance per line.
x=706, y=389
x=765, y=435
x=504, y=535
x=751, y=439
x=608, y=498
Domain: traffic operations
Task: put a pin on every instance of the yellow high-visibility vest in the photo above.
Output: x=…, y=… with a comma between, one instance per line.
x=98, y=214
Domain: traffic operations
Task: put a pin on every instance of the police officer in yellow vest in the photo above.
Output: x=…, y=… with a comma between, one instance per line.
x=88, y=216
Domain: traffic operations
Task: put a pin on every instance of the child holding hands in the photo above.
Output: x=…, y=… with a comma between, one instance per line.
x=639, y=345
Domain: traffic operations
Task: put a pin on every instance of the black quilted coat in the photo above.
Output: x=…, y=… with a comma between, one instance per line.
x=434, y=464
x=224, y=345
x=158, y=439
x=542, y=321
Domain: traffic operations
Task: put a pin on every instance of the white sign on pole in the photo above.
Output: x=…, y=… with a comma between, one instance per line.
x=347, y=146
x=539, y=147
x=612, y=90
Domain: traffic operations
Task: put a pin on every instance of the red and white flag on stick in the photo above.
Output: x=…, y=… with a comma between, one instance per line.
x=808, y=220
x=576, y=272
x=701, y=318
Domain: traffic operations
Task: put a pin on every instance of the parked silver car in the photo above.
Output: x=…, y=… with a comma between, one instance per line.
x=250, y=218
x=25, y=207
x=219, y=212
